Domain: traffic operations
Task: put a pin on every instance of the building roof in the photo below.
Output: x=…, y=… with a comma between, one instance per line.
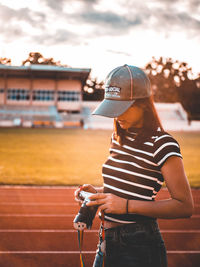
x=45, y=71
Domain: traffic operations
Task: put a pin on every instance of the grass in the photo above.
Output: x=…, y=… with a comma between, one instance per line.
x=71, y=156
x=190, y=149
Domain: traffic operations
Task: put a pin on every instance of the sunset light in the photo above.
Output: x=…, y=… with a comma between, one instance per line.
x=99, y=133
x=101, y=34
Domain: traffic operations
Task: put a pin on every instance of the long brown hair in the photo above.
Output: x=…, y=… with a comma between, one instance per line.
x=151, y=122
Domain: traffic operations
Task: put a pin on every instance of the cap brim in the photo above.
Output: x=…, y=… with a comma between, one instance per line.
x=112, y=108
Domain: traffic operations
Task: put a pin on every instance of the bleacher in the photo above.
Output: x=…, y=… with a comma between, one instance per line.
x=37, y=116
x=172, y=115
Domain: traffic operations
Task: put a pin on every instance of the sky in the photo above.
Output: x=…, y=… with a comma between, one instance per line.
x=101, y=34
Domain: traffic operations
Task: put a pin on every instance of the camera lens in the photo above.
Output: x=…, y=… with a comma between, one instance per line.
x=85, y=217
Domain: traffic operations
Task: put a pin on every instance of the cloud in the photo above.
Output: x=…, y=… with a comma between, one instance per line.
x=166, y=16
x=11, y=33
x=55, y=4
x=169, y=21
x=157, y=15
x=188, y=21
x=10, y=15
x=85, y=12
x=109, y=19
x=163, y=16
x=118, y=52
x=58, y=5
x=61, y=36
x=11, y=22
x=194, y=5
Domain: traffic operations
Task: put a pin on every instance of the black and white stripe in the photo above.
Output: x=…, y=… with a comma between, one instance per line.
x=133, y=171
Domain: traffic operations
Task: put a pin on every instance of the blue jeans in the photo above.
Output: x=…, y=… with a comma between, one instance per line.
x=132, y=245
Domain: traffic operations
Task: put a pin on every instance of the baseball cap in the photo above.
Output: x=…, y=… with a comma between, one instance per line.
x=123, y=86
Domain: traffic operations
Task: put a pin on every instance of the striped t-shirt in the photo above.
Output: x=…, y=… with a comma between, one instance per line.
x=133, y=171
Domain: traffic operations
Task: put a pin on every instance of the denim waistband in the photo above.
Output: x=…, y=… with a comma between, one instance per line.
x=139, y=242
x=139, y=225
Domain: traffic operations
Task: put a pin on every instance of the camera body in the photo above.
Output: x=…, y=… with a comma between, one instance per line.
x=86, y=214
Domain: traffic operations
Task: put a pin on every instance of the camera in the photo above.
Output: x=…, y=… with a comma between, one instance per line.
x=86, y=214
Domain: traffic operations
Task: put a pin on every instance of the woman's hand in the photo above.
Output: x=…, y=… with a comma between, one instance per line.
x=86, y=187
x=108, y=203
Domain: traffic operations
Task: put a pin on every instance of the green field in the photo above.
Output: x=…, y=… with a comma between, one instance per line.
x=71, y=156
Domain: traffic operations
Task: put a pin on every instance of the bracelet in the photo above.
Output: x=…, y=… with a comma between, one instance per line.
x=127, y=206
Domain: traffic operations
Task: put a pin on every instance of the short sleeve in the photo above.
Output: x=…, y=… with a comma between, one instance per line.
x=165, y=147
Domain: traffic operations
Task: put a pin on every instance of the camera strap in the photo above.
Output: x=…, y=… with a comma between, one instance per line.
x=103, y=233
x=80, y=243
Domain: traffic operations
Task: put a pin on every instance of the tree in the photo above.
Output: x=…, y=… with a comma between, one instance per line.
x=189, y=94
x=162, y=73
x=5, y=61
x=37, y=58
x=93, y=90
x=173, y=81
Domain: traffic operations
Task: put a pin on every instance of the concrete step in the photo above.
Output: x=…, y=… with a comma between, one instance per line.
x=47, y=259
x=183, y=259
x=36, y=198
x=36, y=230
x=58, y=194
x=46, y=240
x=65, y=221
x=59, y=189
x=39, y=208
x=61, y=240
x=192, y=223
x=65, y=259
x=48, y=208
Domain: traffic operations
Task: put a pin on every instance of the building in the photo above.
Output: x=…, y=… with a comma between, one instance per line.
x=40, y=94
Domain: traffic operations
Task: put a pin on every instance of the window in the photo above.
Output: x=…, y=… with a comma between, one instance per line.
x=69, y=96
x=18, y=94
x=43, y=95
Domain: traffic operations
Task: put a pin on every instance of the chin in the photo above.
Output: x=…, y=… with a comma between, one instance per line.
x=124, y=127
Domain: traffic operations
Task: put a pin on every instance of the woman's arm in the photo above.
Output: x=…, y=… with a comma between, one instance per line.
x=179, y=205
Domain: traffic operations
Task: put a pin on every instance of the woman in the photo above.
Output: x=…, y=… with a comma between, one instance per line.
x=142, y=156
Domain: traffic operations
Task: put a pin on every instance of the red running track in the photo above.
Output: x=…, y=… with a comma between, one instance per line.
x=36, y=230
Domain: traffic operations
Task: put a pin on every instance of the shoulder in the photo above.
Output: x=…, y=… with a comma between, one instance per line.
x=162, y=137
x=165, y=146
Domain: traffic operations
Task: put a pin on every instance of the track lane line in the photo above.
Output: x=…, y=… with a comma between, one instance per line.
x=87, y=231
x=90, y=252
x=38, y=204
x=70, y=215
